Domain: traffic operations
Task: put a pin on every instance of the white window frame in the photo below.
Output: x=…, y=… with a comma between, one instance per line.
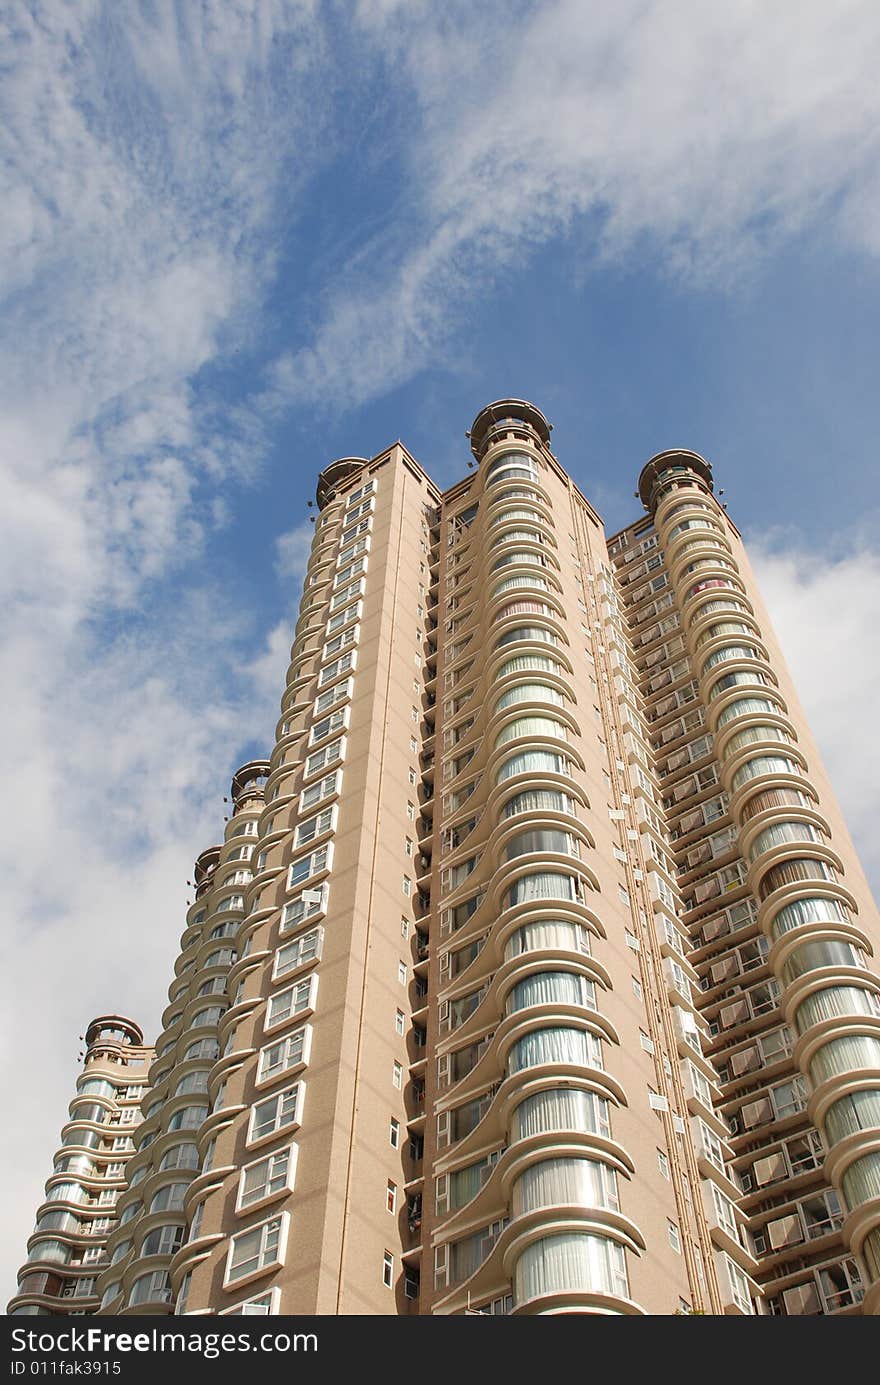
x=316, y=826
x=264, y=1198
x=337, y=720
x=325, y=850
x=331, y=753
x=354, y=529
x=346, y=663
x=327, y=787
x=240, y=1309
x=353, y=570
x=263, y=1078
x=354, y=550
x=346, y=639
x=312, y=909
x=303, y=995
x=332, y=698
x=265, y=1265
x=295, y=947
x=353, y=592
x=366, y=507
x=299, y=1089
x=368, y=488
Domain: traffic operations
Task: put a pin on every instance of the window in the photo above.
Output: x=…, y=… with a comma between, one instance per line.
x=674, y=1235
x=261, y=1248
x=347, y=574
x=289, y=1052
x=400, y=1022
x=298, y=953
x=397, y=1074
x=303, y=907
x=165, y=1240
x=350, y=613
x=366, y=489
x=323, y=788
x=663, y=1163
x=326, y=756
x=169, y=1198
x=391, y=1197
x=276, y=1112
x=407, y=886
x=394, y=1133
x=261, y=1305
x=332, y=696
x=266, y=1178
x=388, y=1269
x=149, y=1288
x=411, y=811
x=293, y=1000
x=344, y=664
x=316, y=826
x=409, y=846
x=232, y=901
x=327, y=726
x=308, y=866
x=401, y=973
x=341, y=641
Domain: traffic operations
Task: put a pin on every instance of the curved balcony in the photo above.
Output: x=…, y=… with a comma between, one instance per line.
x=522, y=606
x=506, y=418
x=709, y=576
x=716, y=604
x=499, y=1096
x=666, y=468
x=689, y=538
x=793, y=852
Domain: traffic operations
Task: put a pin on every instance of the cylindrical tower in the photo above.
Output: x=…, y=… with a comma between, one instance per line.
x=812, y=904
x=68, y=1248
x=536, y=1041
x=157, y=1213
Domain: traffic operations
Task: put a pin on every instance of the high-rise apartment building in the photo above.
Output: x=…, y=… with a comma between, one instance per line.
x=535, y=971
x=68, y=1248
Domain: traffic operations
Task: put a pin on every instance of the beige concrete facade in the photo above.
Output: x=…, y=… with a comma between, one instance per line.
x=535, y=973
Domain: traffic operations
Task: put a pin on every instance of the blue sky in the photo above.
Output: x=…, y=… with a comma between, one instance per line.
x=241, y=239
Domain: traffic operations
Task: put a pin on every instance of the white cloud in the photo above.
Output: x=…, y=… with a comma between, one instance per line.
x=151, y=153
x=293, y=549
x=824, y=611
x=267, y=670
x=695, y=136
x=144, y=156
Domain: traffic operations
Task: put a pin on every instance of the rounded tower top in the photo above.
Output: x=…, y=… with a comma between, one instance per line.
x=249, y=779
x=490, y=423
x=205, y=864
x=664, y=465
x=334, y=474
x=114, y=1029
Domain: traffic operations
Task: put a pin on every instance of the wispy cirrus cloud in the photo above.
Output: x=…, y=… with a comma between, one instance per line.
x=154, y=156
x=691, y=136
x=147, y=156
